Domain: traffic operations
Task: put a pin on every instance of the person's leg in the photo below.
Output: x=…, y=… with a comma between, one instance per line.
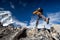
x=37, y=21
x=45, y=19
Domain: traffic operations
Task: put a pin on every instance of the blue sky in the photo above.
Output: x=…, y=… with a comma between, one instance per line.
x=22, y=9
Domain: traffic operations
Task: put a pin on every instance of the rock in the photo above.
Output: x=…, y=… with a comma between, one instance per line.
x=10, y=33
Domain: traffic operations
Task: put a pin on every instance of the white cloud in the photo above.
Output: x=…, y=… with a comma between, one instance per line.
x=12, y=6
x=54, y=17
x=33, y=23
x=1, y=8
x=23, y=4
x=40, y=25
x=19, y=23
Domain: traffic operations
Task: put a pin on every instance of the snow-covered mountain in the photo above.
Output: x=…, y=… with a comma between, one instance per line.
x=6, y=19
